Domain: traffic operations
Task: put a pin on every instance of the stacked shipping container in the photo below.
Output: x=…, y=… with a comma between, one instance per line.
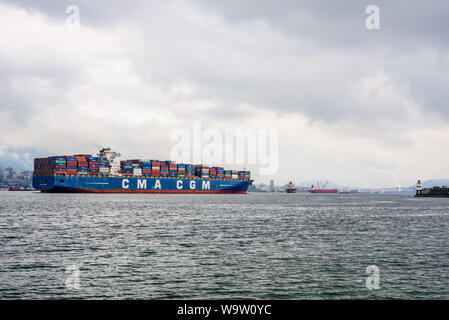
x=84, y=164
x=103, y=166
x=71, y=165
x=126, y=168
x=181, y=170
x=155, y=168
x=173, y=168
x=146, y=168
x=189, y=171
x=93, y=166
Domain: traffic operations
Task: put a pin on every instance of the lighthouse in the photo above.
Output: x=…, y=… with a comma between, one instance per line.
x=418, y=188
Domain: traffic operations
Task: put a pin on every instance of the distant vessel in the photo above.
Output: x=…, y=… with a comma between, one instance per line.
x=19, y=189
x=349, y=191
x=436, y=192
x=322, y=189
x=290, y=188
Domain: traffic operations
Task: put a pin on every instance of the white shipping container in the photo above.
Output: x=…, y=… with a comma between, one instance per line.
x=137, y=172
x=235, y=176
x=104, y=170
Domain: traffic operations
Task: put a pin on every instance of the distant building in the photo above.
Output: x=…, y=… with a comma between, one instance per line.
x=272, y=189
x=7, y=173
x=12, y=178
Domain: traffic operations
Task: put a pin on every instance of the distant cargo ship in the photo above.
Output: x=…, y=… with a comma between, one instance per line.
x=436, y=192
x=291, y=188
x=348, y=191
x=322, y=189
x=107, y=174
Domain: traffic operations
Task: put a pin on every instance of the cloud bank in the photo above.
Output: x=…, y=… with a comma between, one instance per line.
x=355, y=106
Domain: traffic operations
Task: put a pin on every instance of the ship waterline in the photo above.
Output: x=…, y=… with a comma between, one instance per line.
x=80, y=184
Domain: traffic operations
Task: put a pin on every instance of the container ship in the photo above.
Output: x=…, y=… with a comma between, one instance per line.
x=290, y=188
x=105, y=173
x=436, y=192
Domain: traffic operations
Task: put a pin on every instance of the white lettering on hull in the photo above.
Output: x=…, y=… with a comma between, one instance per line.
x=206, y=185
x=141, y=184
x=125, y=183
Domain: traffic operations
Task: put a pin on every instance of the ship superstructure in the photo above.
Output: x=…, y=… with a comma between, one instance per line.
x=290, y=188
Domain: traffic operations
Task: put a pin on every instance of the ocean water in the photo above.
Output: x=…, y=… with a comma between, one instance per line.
x=254, y=246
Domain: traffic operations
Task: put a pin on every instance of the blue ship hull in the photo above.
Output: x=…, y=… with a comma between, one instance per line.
x=86, y=184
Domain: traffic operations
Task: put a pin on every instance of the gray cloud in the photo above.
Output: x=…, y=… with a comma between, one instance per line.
x=134, y=72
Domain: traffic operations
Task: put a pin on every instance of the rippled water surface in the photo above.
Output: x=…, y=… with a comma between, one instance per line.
x=265, y=246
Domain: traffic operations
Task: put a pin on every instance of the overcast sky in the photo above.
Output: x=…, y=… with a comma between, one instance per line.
x=355, y=106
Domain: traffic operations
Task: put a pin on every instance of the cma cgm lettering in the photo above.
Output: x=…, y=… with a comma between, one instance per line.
x=131, y=176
